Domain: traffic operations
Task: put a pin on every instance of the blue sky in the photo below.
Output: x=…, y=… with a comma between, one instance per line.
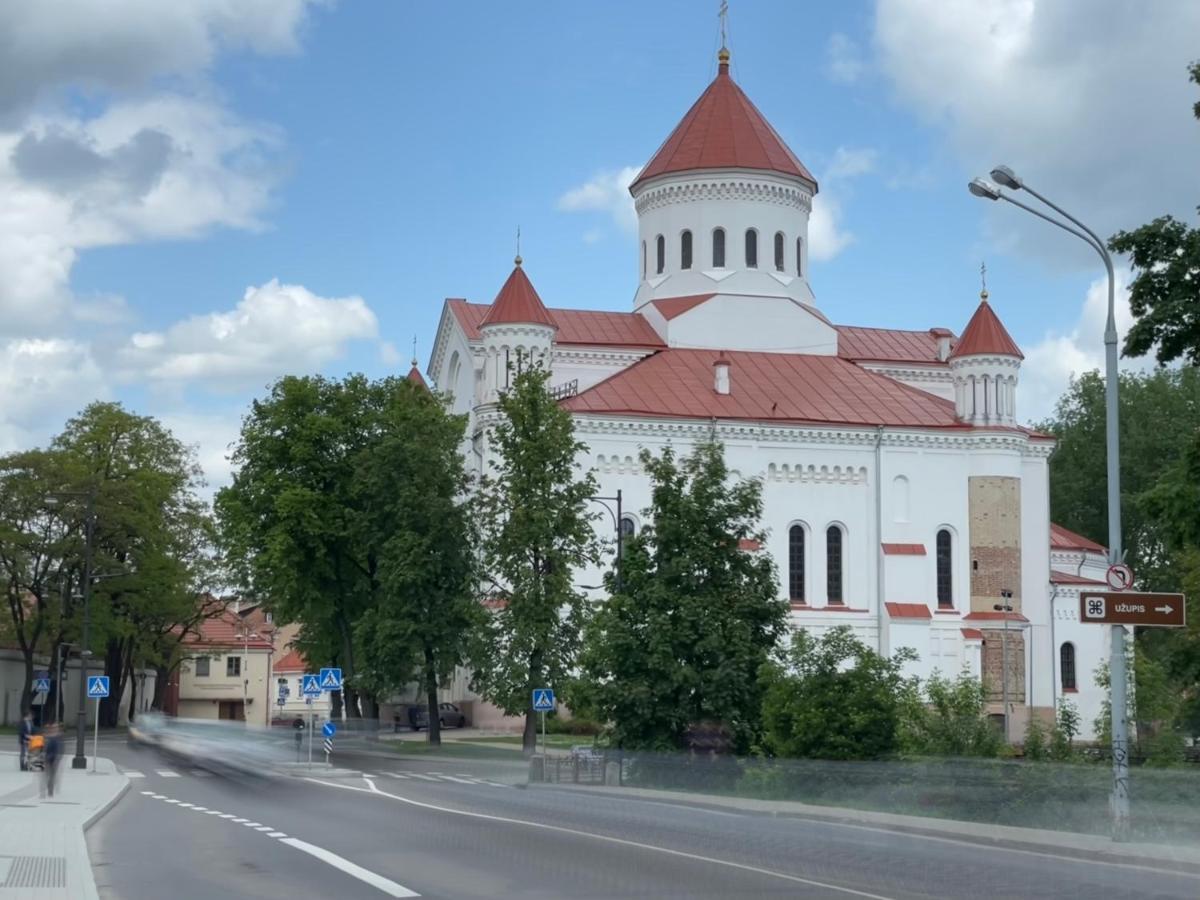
x=352, y=164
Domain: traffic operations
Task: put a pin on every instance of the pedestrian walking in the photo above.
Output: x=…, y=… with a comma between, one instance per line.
x=23, y=735
x=53, y=752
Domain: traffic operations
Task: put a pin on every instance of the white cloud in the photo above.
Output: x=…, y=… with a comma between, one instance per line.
x=42, y=382
x=212, y=435
x=159, y=168
x=121, y=44
x=1088, y=99
x=850, y=162
x=274, y=330
x=826, y=235
x=845, y=63
x=1051, y=362
x=605, y=192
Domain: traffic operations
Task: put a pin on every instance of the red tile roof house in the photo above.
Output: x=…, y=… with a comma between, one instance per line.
x=902, y=495
x=226, y=671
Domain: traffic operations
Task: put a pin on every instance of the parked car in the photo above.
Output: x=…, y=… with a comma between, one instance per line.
x=451, y=716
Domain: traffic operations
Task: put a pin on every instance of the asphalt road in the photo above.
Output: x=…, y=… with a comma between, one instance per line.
x=442, y=829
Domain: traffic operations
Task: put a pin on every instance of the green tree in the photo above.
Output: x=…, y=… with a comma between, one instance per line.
x=537, y=530
x=835, y=699
x=413, y=488
x=953, y=721
x=293, y=523
x=684, y=636
x=1165, y=294
x=1160, y=413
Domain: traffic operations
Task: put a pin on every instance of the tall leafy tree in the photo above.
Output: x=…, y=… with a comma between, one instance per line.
x=695, y=617
x=833, y=697
x=413, y=487
x=537, y=530
x=1165, y=294
x=293, y=523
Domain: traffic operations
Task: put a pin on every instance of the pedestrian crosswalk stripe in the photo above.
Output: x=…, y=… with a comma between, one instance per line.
x=134, y=775
x=423, y=777
x=276, y=834
x=252, y=824
x=495, y=784
x=166, y=773
x=395, y=774
x=265, y=828
x=459, y=780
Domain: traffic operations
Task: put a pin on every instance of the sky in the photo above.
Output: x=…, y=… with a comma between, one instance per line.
x=201, y=196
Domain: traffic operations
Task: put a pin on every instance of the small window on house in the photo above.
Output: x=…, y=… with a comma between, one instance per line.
x=799, y=256
x=685, y=250
x=201, y=666
x=718, y=248
x=796, y=564
x=661, y=245
x=779, y=251
x=945, y=586
x=233, y=666
x=751, y=248
x=833, y=564
x=628, y=527
x=1066, y=656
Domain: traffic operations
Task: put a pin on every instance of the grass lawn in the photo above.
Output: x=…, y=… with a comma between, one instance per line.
x=557, y=741
x=452, y=749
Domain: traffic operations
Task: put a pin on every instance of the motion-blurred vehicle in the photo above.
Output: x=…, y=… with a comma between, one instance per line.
x=451, y=716
x=146, y=730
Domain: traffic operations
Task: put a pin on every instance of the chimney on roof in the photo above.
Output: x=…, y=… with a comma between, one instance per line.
x=721, y=375
x=943, y=336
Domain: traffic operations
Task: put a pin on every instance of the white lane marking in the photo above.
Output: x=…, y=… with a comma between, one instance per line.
x=170, y=800
x=166, y=773
x=265, y=828
x=227, y=815
x=186, y=805
x=276, y=834
x=157, y=796
x=372, y=789
x=240, y=821
x=252, y=824
x=148, y=793
x=395, y=775
x=201, y=773
x=459, y=780
x=422, y=777
x=389, y=887
x=131, y=774
x=199, y=809
x=212, y=812
x=495, y=784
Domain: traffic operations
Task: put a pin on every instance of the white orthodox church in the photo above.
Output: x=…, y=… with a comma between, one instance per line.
x=902, y=496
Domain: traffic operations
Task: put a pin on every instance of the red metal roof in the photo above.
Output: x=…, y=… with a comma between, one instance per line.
x=764, y=387
x=414, y=375
x=292, y=662
x=889, y=344
x=903, y=549
x=1057, y=577
x=985, y=334
x=908, y=610
x=994, y=616
x=1065, y=539
x=671, y=307
x=723, y=130
x=972, y=634
x=517, y=302
x=225, y=630
x=575, y=326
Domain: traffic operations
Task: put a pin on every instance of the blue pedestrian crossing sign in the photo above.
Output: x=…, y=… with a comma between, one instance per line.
x=331, y=679
x=41, y=685
x=543, y=700
x=310, y=685
x=329, y=729
x=97, y=686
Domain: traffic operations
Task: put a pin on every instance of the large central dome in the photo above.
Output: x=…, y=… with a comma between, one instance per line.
x=724, y=130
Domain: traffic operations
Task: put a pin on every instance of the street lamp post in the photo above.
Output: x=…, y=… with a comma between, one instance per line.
x=618, y=523
x=1009, y=179
x=79, y=760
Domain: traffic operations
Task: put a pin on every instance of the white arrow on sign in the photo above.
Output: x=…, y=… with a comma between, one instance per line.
x=1165, y=610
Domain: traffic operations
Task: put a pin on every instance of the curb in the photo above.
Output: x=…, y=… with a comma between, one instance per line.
x=1159, y=864
x=95, y=817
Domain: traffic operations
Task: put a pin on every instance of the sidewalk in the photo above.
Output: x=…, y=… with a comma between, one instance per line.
x=1164, y=857
x=43, y=854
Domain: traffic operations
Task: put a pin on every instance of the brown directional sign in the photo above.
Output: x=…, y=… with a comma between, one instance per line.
x=1129, y=608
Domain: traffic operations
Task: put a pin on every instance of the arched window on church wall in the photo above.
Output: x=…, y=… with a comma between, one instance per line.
x=661, y=250
x=796, y=564
x=799, y=256
x=718, y=256
x=685, y=250
x=779, y=251
x=751, y=248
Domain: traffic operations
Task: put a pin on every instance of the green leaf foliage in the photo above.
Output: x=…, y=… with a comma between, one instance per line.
x=536, y=532
x=685, y=634
x=953, y=721
x=835, y=698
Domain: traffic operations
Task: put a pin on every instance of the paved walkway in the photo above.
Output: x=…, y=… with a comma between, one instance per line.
x=43, y=855
x=1168, y=857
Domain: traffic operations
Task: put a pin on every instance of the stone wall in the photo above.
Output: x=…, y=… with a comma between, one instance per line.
x=994, y=516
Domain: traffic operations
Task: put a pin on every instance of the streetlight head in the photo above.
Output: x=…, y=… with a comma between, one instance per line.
x=1007, y=178
x=981, y=188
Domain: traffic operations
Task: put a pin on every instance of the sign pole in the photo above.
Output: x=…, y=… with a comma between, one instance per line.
x=543, y=732
x=312, y=724
x=1120, y=736
x=96, y=737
